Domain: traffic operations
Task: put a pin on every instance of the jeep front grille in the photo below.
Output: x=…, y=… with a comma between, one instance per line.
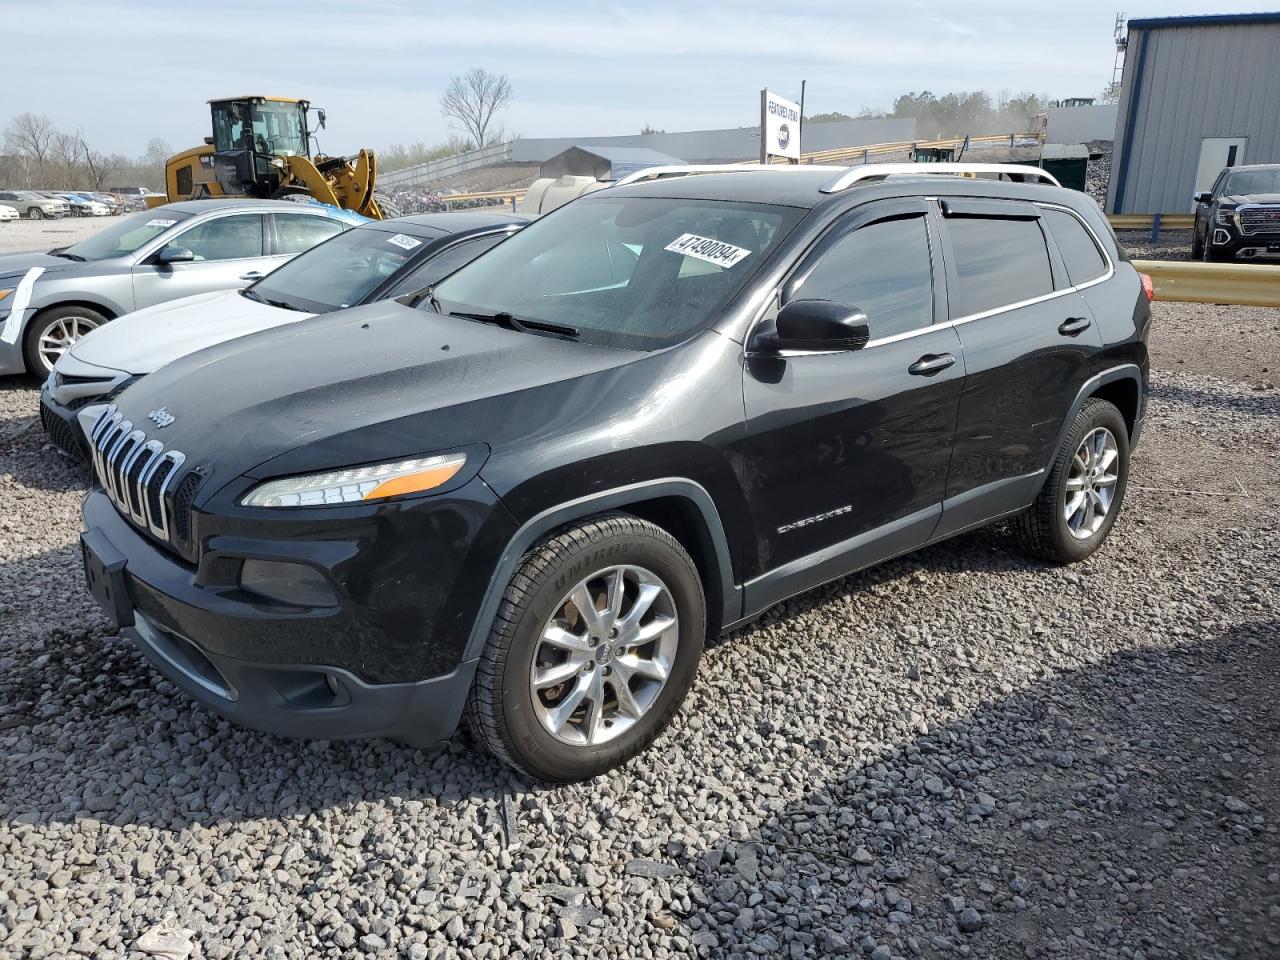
x=135, y=472
x=1254, y=220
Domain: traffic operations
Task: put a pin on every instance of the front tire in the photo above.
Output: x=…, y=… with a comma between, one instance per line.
x=55, y=331
x=594, y=648
x=35, y=213
x=1085, y=488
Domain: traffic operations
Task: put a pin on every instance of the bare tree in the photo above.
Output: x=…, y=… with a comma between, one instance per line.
x=99, y=166
x=30, y=137
x=473, y=98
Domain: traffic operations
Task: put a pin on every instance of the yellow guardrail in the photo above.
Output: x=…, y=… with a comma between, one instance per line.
x=1240, y=284
x=1146, y=221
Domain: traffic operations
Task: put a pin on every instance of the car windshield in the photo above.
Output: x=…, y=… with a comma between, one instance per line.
x=632, y=272
x=340, y=272
x=1244, y=182
x=124, y=237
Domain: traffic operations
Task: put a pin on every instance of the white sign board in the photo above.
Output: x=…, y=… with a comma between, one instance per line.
x=781, y=126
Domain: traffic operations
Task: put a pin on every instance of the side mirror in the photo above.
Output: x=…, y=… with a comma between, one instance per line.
x=1204, y=196
x=320, y=117
x=816, y=325
x=175, y=255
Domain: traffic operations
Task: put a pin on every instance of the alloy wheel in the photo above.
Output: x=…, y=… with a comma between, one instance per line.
x=604, y=655
x=35, y=213
x=1091, y=483
x=60, y=336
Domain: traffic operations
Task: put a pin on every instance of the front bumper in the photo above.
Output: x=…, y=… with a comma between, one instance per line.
x=1230, y=241
x=318, y=672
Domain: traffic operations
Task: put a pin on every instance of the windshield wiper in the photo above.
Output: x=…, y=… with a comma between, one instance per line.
x=255, y=295
x=504, y=319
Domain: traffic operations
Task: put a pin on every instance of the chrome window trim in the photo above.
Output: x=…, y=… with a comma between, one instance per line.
x=957, y=321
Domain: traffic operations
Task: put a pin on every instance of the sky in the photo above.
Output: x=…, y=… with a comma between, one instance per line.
x=125, y=71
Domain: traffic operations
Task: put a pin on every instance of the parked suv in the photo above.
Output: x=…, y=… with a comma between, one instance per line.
x=1240, y=216
x=34, y=206
x=643, y=420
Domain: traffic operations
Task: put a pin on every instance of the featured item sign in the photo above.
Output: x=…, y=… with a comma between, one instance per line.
x=779, y=127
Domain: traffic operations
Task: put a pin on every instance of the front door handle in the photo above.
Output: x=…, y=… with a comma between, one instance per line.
x=930, y=364
x=1073, y=326
x=251, y=275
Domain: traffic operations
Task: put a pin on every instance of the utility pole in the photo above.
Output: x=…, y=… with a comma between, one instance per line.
x=800, y=125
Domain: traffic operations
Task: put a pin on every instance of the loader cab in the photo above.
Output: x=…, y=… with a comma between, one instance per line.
x=249, y=133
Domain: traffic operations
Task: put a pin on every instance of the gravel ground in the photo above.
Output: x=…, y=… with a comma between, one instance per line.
x=958, y=754
x=22, y=235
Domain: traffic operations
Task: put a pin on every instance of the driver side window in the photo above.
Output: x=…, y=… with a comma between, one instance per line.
x=884, y=270
x=224, y=238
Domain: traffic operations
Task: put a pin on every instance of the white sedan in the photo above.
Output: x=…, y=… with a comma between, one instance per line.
x=8, y=213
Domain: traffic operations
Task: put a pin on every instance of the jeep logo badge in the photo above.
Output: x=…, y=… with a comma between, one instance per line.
x=161, y=417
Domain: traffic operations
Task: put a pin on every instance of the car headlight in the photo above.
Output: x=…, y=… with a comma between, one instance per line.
x=1225, y=217
x=357, y=484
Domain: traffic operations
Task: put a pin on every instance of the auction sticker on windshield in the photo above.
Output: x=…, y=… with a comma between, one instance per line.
x=161, y=223
x=705, y=248
x=405, y=243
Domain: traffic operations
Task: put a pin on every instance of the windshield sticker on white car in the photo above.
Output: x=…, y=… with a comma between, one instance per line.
x=406, y=243
x=161, y=223
x=705, y=248
x=18, y=305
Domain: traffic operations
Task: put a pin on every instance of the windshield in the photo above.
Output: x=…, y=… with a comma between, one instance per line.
x=340, y=272
x=633, y=272
x=128, y=235
x=1253, y=181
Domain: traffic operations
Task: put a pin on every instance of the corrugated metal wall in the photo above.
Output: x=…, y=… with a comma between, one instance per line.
x=1196, y=81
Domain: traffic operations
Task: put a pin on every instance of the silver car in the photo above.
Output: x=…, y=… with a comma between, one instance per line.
x=48, y=301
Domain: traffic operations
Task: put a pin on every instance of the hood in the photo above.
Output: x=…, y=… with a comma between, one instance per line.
x=16, y=264
x=147, y=339
x=356, y=386
x=1238, y=198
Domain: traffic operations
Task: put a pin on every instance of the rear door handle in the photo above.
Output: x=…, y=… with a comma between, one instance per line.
x=1073, y=326
x=251, y=275
x=930, y=364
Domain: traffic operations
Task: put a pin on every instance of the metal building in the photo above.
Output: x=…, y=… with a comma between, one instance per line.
x=1198, y=94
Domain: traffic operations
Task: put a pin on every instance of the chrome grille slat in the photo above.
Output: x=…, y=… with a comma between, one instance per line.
x=136, y=473
x=1259, y=219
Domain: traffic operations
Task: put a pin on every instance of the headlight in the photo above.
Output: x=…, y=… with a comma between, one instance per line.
x=357, y=484
x=1225, y=217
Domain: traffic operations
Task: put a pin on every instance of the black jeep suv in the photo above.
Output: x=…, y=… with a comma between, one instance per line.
x=1240, y=216
x=527, y=496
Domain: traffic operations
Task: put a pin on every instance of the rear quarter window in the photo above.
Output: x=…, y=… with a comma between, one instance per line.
x=998, y=263
x=1080, y=254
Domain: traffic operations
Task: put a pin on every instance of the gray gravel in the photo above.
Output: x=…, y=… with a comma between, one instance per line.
x=960, y=753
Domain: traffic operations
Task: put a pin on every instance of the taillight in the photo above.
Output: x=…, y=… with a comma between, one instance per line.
x=1148, y=287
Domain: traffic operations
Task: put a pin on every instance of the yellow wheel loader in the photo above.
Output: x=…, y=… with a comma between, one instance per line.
x=261, y=148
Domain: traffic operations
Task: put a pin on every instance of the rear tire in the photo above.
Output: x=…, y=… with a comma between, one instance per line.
x=563, y=696
x=35, y=213
x=1084, y=491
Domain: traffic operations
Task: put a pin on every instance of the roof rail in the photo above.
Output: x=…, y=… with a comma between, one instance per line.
x=680, y=170
x=878, y=171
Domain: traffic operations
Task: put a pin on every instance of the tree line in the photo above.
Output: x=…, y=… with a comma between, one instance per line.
x=38, y=156
x=974, y=112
